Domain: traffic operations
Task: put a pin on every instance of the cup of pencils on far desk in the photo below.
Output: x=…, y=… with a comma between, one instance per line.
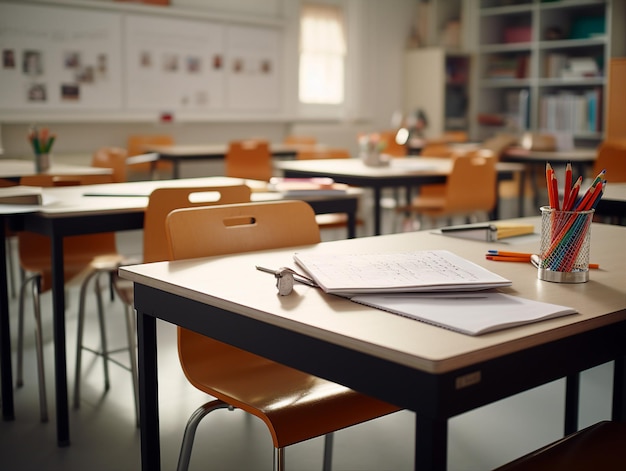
x=41, y=141
x=566, y=228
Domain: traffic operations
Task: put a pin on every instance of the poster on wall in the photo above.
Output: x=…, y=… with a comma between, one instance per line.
x=253, y=68
x=59, y=58
x=173, y=64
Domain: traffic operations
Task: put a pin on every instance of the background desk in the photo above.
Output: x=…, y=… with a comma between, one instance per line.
x=72, y=213
x=408, y=173
x=181, y=153
x=581, y=158
x=14, y=169
x=432, y=371
x=613, y=202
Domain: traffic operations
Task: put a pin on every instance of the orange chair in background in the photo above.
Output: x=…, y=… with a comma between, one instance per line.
x=612, y=157
x=138, y=144
x=391, y=146
x=249, y=159
x=294, y=405
x=84, y=257
x=113, y=158
x=470, y=188
x=323, y=153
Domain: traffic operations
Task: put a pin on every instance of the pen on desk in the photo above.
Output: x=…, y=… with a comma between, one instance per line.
x=504, y=256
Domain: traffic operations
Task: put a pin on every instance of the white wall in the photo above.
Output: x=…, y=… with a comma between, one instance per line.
x=377, y=34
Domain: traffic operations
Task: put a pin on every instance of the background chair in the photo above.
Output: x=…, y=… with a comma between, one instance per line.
x=113, y=158
x=391, y=146
x=273, y=392
x=599, y=446
x=84, y=257
x=612, y=157
x=469, y=189
x=138, y=144
x=249, y=159
x=160, y=203
x=333, y=220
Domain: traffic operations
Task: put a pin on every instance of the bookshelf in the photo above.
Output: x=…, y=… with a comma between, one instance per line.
x=542, y=65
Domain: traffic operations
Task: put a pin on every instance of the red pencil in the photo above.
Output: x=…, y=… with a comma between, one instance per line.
x=555, y=192
x=568, y=185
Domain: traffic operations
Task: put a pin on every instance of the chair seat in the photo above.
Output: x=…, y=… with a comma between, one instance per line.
x=289, y=401
x=601, y=446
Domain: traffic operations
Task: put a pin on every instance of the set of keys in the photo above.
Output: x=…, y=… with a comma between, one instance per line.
x=286, y=277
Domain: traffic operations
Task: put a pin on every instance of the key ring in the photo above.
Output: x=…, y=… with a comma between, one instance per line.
x=285, y=278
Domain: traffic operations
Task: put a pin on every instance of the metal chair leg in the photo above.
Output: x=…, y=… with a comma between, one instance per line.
x=329, y=439
x=103, y=335
x=278, y=462
x=190, y=431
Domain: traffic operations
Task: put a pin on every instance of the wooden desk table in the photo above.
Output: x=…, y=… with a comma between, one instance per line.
x=580, y=158
x=403, y=172
x=120, y=206
x=436, y=373
x=181, y=153
x=14, y=169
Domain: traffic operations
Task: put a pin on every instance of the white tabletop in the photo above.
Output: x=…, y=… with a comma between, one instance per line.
x=15, y=168
x=600, y=301
x=183, y=151
x=572, y=155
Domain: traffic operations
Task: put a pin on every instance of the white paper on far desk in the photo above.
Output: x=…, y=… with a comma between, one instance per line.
x=468, y=313
x=426, y=270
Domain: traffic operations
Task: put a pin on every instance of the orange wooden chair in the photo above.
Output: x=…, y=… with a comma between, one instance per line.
x=391, y=146
x=84, y=257
x=261, y=387
x=469, y=188
x=249, y=159
x=332, y=220
x=113, y=158
x=612, y=157
x=160, y=203
x=137, y=144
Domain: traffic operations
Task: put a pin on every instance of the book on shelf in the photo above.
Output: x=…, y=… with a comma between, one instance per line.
x=489, y=232
x=419, y=271
x=306, y=186
x=468, y=313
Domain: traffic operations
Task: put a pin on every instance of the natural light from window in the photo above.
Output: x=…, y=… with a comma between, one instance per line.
x=322, y=55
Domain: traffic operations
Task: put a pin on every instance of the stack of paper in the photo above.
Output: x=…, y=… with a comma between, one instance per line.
x=434, y=286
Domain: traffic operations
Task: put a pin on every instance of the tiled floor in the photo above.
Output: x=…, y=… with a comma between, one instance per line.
x=104, y=436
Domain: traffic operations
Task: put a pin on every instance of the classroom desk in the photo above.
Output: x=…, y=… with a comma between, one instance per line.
x=435, y=372
x=71, y=213
x=14, y=169
x=402, y=172
x=181, y=153
x=580, y=158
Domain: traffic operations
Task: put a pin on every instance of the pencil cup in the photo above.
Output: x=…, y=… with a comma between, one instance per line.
x=565, y=242
x=42, y=162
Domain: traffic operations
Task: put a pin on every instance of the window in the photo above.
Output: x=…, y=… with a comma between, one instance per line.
x=322, y=55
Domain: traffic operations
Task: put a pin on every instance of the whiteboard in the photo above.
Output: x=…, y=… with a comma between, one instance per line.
x=173, y=64
x=87, y=60
x=59, y=58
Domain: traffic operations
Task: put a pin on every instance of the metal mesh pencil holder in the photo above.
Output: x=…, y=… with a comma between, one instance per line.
x=565, y=244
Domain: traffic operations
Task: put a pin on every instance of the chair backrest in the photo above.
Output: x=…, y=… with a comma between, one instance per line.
x=612, y=157
x=136, y=143
x=323, y=153
x=219, y=230
x=437, y=150
x=391, y=146
x=113, y=158
x=249, y=159
x=79, y=251
x=162, y=201
x=300, y=140
x=471, y=185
